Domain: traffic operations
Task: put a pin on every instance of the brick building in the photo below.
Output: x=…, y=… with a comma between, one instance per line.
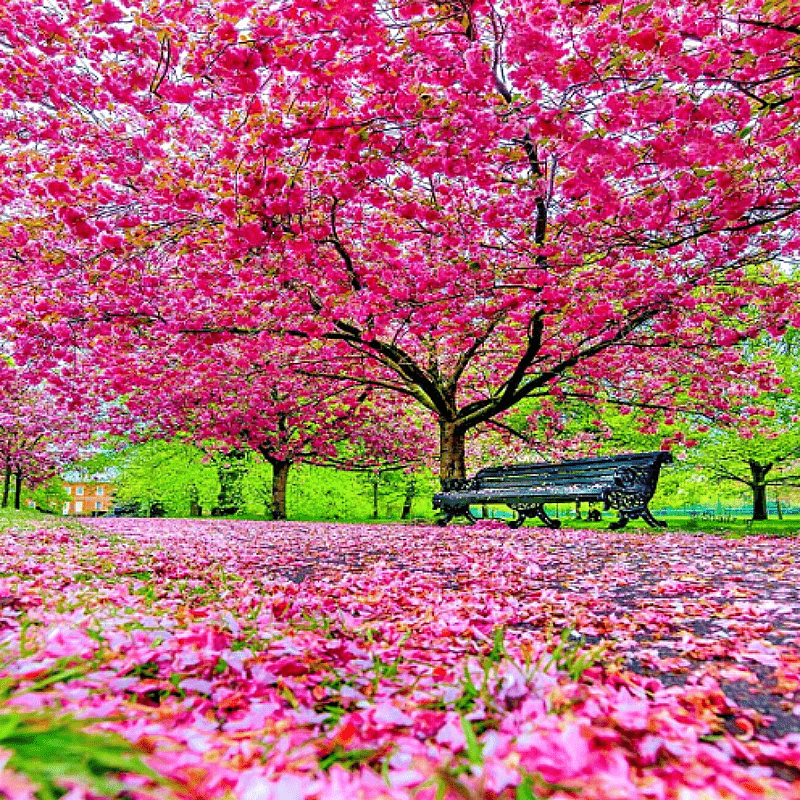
x=89, y=495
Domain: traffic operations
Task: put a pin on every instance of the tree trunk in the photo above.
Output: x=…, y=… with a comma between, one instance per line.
x=375, y=481
x=280, y=479
x=7, y=486
x=195, y=509
x=18, y=489
x=759, y=486
x=452, y=442
x=408, y=498
x=230, y=472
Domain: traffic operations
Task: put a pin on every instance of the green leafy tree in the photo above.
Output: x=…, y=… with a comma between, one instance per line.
x=759, y=463
x=177, y=475
x=760, y=447
x=50, y=496
x=396, y=486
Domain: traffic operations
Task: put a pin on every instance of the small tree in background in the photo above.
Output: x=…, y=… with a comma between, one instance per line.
x=759, y=447
x=41, y=430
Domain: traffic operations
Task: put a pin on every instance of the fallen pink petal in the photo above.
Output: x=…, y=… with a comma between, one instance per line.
x=412, y=661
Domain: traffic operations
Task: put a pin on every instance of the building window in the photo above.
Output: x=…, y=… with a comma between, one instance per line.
x=99, y=492
x=98, y=504
x=66, y=509
x=68, y=489
x=79, y=490
x=78, y=506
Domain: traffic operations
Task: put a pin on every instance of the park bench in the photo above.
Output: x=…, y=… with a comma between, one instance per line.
x=625, y=483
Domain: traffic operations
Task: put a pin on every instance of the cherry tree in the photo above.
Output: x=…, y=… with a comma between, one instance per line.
x=759, y=446
x=465, y=204
x=40, y=433
x=231, y=406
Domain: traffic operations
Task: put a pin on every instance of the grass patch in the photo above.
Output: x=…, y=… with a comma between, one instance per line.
x=52, y=751
x=737, y=527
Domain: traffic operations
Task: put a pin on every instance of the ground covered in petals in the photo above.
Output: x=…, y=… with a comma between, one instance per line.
x=280, y=661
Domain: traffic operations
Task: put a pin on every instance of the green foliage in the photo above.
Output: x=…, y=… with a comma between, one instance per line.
x=52, y=751
x=332, y=494
x=171, y=473
x=570, y=656
x=473, y=748
x=49, y=496
x=351, y=759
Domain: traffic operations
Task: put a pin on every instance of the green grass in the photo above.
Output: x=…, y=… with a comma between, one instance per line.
x=789, y=526
x=53, y=750
x=24, y=513
x=737, y=527
x=27, y=517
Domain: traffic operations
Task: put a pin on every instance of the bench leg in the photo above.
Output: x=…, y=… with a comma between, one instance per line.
x=446, y=516
x=546, y=518
x=620, y=523
x=652, y=521
x=517, y=521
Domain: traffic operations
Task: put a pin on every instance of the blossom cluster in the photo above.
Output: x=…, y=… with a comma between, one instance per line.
x=289, y=661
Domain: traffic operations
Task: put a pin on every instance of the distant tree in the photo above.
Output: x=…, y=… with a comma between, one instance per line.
x=231, y=406
x=41, y=431
x=759, y=447
x=231, y=467
x=400, y=485
x=50, y=496
x=758, y=463
x=176, y=474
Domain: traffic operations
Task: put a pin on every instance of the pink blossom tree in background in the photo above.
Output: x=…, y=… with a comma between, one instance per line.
x=41, y=432
x=231, y=405
x=464, y=204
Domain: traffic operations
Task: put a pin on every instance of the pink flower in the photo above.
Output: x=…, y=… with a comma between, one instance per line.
x=451, y=734
x=108, y=13
x=286, y=787
x=65, y=642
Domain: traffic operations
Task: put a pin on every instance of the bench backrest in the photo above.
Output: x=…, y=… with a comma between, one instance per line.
x=637, y=471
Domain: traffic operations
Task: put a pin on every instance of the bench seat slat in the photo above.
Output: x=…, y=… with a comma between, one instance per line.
x=533, y=495
x=565, y=481
x=567, y=468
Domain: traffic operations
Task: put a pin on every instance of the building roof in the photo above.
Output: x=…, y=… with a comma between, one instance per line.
x=107, y=475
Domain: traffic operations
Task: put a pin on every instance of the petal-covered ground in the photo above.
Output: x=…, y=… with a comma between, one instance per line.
x=279, y=661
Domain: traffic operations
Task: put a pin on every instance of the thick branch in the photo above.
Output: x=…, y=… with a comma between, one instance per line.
x=469, y=353
x=397, y=360
x=516, y=390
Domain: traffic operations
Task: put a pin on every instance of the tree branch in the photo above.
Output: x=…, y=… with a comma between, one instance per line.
x=334, y=239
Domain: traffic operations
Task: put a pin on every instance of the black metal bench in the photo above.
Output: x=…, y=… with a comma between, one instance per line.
x=625, y=483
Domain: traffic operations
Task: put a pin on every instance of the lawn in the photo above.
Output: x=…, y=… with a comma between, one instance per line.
x=737, y=526
x=279, y=661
